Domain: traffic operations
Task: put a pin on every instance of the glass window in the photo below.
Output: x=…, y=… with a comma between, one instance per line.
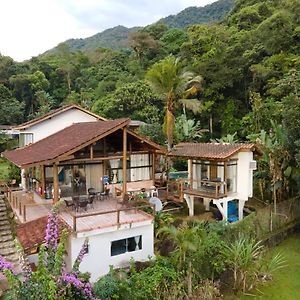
x=231, y=177
x=138, y=168
x=126, y=245
x=25, y=139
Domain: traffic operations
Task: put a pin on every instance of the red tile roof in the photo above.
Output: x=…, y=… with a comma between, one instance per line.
x=54, y=113
x=63, y=142
x=209, y=151
x=32, y=234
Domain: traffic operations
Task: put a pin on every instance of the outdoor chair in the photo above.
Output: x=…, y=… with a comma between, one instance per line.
x=90, y=200
x=105, y=194
x=92, y=192
x=82, y=203
x=75, y=200
x=69, y=203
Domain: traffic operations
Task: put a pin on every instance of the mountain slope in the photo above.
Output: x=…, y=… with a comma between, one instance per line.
x=198, y=15
x=116, y=37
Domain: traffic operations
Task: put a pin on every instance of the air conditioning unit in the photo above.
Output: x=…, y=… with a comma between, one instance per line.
x=253, y=165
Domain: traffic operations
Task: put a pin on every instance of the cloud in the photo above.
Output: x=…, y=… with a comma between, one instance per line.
x=30, y=27
x=102, y=14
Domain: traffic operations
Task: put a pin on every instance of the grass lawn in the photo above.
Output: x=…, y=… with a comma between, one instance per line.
x=286, y=282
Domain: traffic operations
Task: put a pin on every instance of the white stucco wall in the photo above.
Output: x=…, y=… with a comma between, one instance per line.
x=244, y=175
x=99, y=258
x=57, y=123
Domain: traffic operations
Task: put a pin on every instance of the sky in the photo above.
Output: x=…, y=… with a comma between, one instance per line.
x=30, y=27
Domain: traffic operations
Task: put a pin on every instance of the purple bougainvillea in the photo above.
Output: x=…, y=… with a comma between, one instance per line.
x=5, y=265
x=50, y=280
x=51, y=238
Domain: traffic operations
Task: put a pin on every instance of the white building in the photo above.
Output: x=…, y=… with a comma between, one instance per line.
x=217, y=172
x=76, y=159
x=54, y=121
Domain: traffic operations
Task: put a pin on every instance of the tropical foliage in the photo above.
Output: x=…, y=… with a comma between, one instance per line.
x=50, y=280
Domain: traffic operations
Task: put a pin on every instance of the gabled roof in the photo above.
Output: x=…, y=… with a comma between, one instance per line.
x=64, y=142
x=161, y=149
x=55, y=112
x=32, y=234
x=209, y=151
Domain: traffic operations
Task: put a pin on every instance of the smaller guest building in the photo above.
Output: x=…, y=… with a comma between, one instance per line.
x=218, y=173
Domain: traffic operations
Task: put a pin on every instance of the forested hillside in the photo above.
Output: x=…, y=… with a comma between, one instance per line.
x=116, y=37
x=200, y=15
x=113, y=38
x=249, y=66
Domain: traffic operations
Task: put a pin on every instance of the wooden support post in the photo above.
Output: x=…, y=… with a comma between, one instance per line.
x=24, y=213
x=153, y=166
x=43, y=180
x=55, y=184
x=118, y=217
x=124, y=189
x=74, y=223
x=91, y=151
x=190, y=168
x=225, y=178
x=104, y=161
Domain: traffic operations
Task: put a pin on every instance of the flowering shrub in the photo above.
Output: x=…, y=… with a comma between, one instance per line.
x=50, y=280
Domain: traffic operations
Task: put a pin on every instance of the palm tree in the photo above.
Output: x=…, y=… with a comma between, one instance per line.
x=243, y=257
x=169, y=79
x=183, y=238
x=273, y=146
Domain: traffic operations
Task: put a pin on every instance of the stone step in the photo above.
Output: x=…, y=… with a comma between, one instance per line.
x=13, y=258
x=7, y=245
x=8, y=251
x=4, y=228
x=5, y=238
x=3, y=214
x=4, y=222
x=5, y=231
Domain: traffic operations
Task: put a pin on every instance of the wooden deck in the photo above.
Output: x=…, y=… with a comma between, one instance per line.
x=103, y=214
x=29, y=206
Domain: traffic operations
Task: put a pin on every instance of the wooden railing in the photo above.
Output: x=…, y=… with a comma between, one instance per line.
x=175, y=189
x=6, y=190
x=213, y=187
x=118, y=221
x=21, y=202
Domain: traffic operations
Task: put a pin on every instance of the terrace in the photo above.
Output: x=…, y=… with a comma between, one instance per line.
x=105, y=213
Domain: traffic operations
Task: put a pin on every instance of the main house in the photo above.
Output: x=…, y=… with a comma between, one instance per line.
x=94, y=155
x=218, y=173
x=41, y=127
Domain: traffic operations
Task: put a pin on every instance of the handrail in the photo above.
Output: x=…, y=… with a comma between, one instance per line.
x=118, y=223
x=183, y=184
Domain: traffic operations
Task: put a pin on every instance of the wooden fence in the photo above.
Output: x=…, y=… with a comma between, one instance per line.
x=265, y=222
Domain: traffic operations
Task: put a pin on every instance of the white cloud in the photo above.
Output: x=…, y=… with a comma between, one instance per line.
x=30, y=27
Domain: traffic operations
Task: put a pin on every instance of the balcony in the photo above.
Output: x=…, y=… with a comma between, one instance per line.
x=109, y=212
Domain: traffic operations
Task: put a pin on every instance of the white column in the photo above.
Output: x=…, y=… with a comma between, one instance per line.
x=23, y=178
x=223, y=208
x=206, y=202
x=241, y=208
x=190, y=203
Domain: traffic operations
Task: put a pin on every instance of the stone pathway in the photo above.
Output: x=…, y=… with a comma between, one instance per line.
x=7, y=246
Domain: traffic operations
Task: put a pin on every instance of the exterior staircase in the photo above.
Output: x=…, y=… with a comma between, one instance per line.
x=7, y=246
